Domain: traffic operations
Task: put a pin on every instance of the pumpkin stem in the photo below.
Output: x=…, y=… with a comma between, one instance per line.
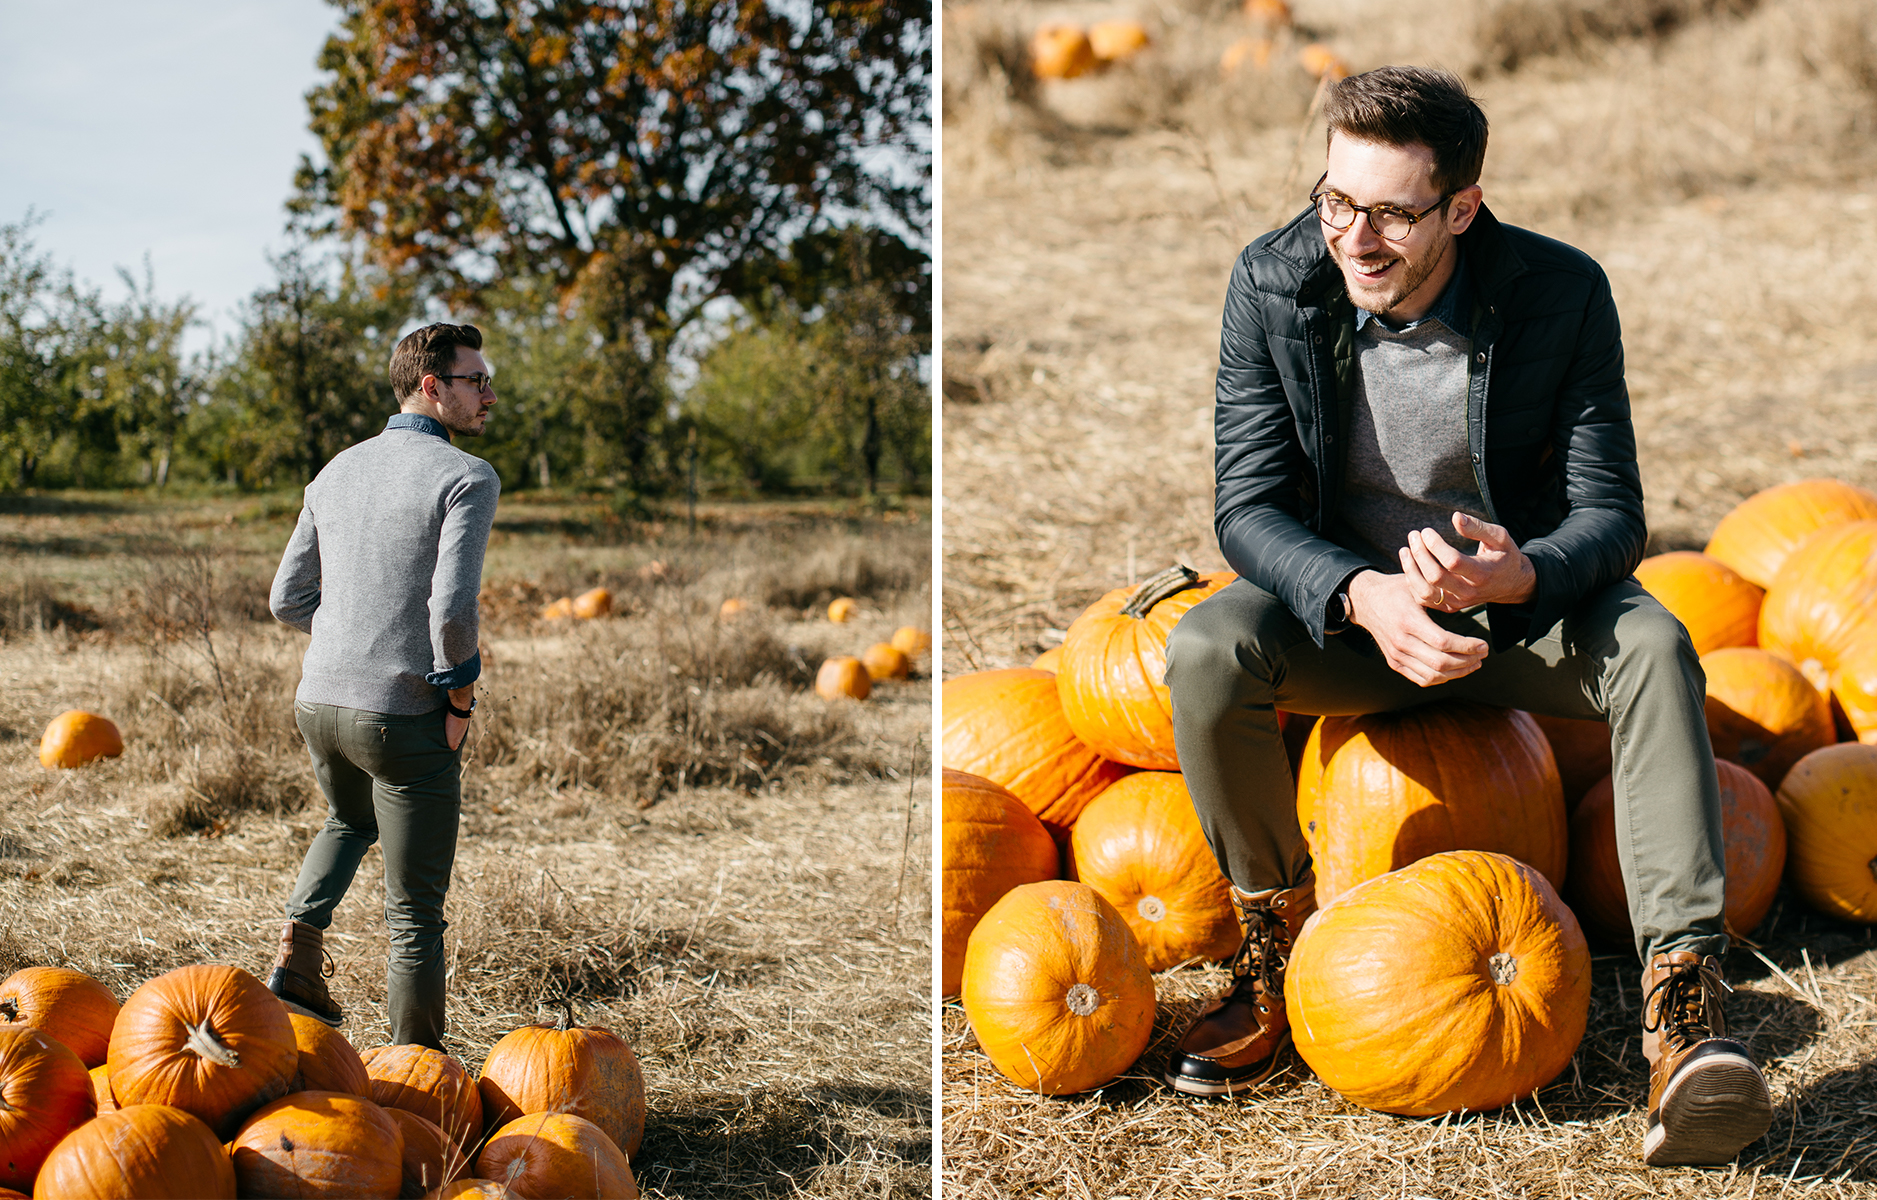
x=204, y=1042
x=10, y=1010
x=1176, y=578
x=1082, y=1000
x=1503, y=967
x=566, y=1019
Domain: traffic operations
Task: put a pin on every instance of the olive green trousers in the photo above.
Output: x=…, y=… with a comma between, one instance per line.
x=1241, y=654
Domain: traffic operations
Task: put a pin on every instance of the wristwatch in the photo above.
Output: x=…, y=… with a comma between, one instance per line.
x=461, y=713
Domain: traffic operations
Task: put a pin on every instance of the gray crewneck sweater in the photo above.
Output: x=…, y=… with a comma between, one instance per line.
x=383, y=570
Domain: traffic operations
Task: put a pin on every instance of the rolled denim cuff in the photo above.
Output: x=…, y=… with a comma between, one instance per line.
x=459, y=676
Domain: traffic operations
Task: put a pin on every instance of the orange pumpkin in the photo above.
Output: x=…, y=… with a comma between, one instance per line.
x=75, y=738
x=1756, y=537
x=210, y=1040
x=911, y=641
x=1112, y=41
x=580, y=1069
x=1059, y=51
x=1820, y=603
x=1763, y=713
x=101, y=1089
x=1056, y=989
x=731, y=608
x=429, y=1159
x=989, y=843
x=45, y=1093
x=1458, y=982
x=1253, y=50
x=559, y=610
x=843, y=677
x=1114, y=661
x=145, y=1152
x=1829, y=803
x=1853, y=682
x=1048, y=660
x=1321, y=62
x=883, y=661
x=842, y=609
x=1581, y=748
x=1717, y=607
x=546, y=1156
x=1008, y=726
x=429, y=1083
x=328, y=1063
x=1377, y=792
x=68, y=1005
x=1140, y=845
x=1272, y=13
x=473, y=1189
x=588, y=605
x=319, y=1144
x=1752, y=833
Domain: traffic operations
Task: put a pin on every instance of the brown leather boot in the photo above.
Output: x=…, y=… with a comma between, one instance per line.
x=299, y=975
x=1707, y=1099
x=1234, y=1044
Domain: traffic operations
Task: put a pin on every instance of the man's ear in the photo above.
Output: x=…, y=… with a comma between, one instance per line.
x=1463, y=208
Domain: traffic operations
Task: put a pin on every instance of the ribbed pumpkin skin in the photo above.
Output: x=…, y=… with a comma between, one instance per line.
x=45, y=1092
x=1375, y=793
x=1140, y=845
x=1763, y=713
x=75, y=738
x=429, y=1159
x=1056, y=989
x=564, y=1156
x=1762, y=530
x=1821, y=601
x=1008, y=726
x=144, y=1152
x=328, y=1063
x=323, y=1145
x=1111, y=675
x=429, y=1083
x=1717, y=606
x=154, y=1061
x=68, y=1005
x=1459, y=982
x=580, y=1069
x=1829, y=802
x=1582, y=751
x=989, y=843
x=1754, y=840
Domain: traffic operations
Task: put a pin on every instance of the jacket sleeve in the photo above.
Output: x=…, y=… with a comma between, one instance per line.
x=1265, y=483
x=294, y=597
x=469, y=512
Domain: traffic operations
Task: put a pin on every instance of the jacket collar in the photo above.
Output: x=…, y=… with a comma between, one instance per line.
x=419, y=422
x=1490, y=261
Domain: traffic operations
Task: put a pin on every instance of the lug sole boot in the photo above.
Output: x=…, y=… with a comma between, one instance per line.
x=299, y=974
x=1237, y=1041
x=1707, y=1098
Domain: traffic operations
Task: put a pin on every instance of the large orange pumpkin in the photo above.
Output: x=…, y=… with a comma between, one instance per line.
x=328, y=1063
x=1761, y=531
x=210, y=1040
x=1717, y=606
x=1762, y=712
x=1377, y=792
x=1008, y=727
x=430, y=1159
x=319, y=1145
x=45, y=1093
x=429, y=1083
x=1821, y=602
x=580, y=1069
x=1581, y=748
x=1140, y=845
x=550, y=1156
x=144, y=1152
x=1056, y=989
x=1458, y=982
x=1753, y=835
x=1829, y=802
x=1113, y=665
x=75, y=738
x=989, y=843
x=68, y=1005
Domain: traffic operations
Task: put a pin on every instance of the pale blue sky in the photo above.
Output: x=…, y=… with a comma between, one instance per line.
x=164, y=127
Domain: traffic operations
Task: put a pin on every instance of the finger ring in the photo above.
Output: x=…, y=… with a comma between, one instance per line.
x=1442, y=602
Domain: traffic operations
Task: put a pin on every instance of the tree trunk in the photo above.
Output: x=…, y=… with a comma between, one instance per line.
x=870, y=444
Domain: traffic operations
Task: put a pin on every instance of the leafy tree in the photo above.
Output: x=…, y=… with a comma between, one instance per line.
x=50, y=392
x=139, y=365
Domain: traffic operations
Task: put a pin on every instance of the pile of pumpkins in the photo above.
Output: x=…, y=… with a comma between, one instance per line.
x=1061, y=50
x=1470, y=848
x=587, y=606
x=203, y=1084
x=851, y=677
x=1271, y=24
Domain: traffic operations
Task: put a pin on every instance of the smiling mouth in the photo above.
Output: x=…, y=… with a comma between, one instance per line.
x=1372, y=270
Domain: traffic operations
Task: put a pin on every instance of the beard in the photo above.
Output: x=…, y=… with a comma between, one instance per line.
x=1409, y=273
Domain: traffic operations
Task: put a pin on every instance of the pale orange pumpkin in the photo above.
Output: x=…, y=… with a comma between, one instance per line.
x=1715, y=605
x=319, y=1145
x=1459, y=982
x=884, y=661
x=45, y=1093
x=429, y=1159
x=1140, y=845
x=1759, y=533
x=842, y=609
x=1829, y=803
x=843, y=677
x=75, y=738
x=146, y=1151
x=68, y=1005
x=429, y=1083
x=988, y=843
x=1114, y=663
x=1377, y=792
x=548, y=1156
x=1059, y=51
x=1762, y=712
x=1821, y=602
x=911, y=641
x=560, y=610
x=1322, y=62
x=1115, y=40
x=732, y=608
x=1272, y=13
x=585, y=1070
x=1581, y=748
x=328, y=1062
x=594, y=603
x=1007, y=726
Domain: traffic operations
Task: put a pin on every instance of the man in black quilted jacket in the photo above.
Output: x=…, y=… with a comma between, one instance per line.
x=1427, y=483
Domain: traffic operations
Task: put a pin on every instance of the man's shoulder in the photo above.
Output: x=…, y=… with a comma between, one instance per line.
x=1280, y=263
x=407, y=449
x=1536, y=254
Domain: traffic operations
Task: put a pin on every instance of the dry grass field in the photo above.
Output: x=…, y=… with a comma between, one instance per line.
x=660, y=821
x=1717, y=157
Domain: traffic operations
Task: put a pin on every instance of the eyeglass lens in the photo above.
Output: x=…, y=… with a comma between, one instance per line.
x=1388, y=223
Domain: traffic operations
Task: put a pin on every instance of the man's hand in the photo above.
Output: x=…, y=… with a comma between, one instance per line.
x=455, y=727
x=1389, y=607
x=1443, y=578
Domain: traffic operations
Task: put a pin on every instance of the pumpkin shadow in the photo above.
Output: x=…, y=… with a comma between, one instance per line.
x=770, y=1140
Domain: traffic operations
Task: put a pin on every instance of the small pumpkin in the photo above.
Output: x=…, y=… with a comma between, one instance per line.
x=1581, y=748
x=1821, y=602
x=843, y=677
x=1272, y=13
x=1716, y=606
x=988, y=843
x=429, y=1083
x=1056, y=990
x=75, y=738
x=68, y=1005
x=1115, y=40
x=732, y=608
x=319, y=1145
x=1760, y=532
x=1060, y=51
x=429, y=1159
x=1829, y=803
x=883, y=661
x=592, y=604
x=1140, y=845
x=585, y=1070
x=1763, y=713
x=842, y=609
x=144, y=1152
x=327, y=1063
x=549, y=1156
x=560, y=610
x=911, y=641
x=1459, y=982
x=45, y=1093
x=1322, y=62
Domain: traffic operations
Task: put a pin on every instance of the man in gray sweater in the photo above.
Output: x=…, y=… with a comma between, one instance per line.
x=383, y=570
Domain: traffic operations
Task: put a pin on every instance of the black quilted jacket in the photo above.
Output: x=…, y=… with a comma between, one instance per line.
x=1547, y=419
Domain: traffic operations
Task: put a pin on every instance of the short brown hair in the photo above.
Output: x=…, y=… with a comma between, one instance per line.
x=428, y=351
x=1409, y=106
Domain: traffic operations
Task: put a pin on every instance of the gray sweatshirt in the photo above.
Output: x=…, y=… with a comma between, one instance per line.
x=383, y=570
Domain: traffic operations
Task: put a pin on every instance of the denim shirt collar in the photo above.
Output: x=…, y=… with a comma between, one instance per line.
x=419, y=422
x=1453, y=309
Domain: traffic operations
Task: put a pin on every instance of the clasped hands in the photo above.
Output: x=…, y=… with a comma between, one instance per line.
x=1434, y=575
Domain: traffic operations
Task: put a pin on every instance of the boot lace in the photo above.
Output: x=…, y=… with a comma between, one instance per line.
x=1262, y=954
x=1685, y=1004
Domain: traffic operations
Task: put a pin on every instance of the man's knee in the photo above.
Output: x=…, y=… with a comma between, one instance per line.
x=1227, y=636
x=1649, y=636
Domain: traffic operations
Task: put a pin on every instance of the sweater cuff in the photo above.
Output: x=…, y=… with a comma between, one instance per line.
x=459, y=676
